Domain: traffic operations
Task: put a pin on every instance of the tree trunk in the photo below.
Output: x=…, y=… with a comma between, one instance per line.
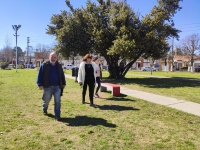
x=128, y=66
x=113, y=67
x=72, y=60
x=192, y=61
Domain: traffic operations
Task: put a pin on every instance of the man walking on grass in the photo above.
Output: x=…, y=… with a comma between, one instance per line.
x=51, y=80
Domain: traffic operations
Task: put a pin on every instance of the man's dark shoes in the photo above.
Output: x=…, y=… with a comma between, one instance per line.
x=83, y=102
x=58, y=118
x=45, y=113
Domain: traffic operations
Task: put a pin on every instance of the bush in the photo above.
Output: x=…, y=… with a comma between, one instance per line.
x=184, y=67
x=4, y=65
x=20, y=66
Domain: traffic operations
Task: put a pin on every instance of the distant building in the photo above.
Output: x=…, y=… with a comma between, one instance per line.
x=181, y=61
x=2, y=59
x=78, y=60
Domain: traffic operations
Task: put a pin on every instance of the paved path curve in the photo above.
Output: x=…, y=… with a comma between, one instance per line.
x=183, y=105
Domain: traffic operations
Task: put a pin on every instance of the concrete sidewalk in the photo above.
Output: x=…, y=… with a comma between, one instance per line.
x=183, y=105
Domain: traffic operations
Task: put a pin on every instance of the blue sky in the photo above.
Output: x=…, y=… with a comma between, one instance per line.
x=34, y=16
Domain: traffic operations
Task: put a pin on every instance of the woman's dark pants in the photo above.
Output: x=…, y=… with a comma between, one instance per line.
x=89, y=83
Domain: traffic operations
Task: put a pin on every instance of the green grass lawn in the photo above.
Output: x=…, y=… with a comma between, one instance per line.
x=174, y=86
x=184, y=90
x=176, y=74
x=116, y=122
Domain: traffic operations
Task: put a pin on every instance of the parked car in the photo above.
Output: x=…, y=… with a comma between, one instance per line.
x=149, y=69
x=29, y=66
x=10, y=66
x=69, y=66
x=197, y=69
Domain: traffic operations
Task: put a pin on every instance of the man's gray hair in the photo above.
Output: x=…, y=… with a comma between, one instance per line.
x=52, y=53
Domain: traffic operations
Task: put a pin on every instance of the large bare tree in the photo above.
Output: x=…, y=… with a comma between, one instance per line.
x=45, y=50
x=6, y=52
x=191, y=47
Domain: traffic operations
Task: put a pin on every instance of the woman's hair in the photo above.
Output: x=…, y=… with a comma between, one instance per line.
x=94, y=59
x=86, y=57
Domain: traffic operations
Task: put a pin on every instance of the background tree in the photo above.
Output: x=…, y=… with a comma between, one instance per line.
x=113, y=30
x=20, y=53
x=151, y=35
x=178, y=51
x=70, y=31
x=7, y=52
x=191, y=46
x=44, y=51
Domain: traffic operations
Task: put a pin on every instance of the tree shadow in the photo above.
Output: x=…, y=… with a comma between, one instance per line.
x=158, y=82
x=85, y=121
x=186, y=79
x=116, y=107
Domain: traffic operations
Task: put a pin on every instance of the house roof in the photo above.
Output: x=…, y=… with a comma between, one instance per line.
x=182, y=58
x=197, y=57
x=185, y=58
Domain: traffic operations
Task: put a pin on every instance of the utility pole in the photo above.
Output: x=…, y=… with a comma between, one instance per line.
x=16, y=27
x=172, y=65
x=175, y=64
x=192, y=55
x=27, y=51
x=28, y=45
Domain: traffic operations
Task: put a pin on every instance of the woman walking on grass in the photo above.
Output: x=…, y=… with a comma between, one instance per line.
x=87, y=77
x=98, y=75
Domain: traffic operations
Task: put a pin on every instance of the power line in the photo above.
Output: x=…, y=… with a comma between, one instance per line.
x=191, y=27
x=190, y=30
x=39, y=36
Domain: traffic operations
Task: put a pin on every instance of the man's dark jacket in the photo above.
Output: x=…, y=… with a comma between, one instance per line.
x=44, y=75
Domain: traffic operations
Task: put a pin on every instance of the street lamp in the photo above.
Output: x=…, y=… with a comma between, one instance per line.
x=16, y=27
x=172, y=63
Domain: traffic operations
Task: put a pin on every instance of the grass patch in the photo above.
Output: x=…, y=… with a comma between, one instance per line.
x=63, y=139
x=116, y=122
x=177, y=85
x=176, y=74
x=185, y=90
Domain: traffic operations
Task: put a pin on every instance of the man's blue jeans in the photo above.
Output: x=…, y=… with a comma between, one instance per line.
x=47, y=95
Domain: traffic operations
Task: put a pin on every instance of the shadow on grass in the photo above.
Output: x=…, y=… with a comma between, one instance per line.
x=116, y=107
x=157, y=82
x=122, y=97
x=85, y=121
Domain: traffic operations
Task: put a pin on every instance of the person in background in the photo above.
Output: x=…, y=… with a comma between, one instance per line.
x=87, y=77
x=51, y=80
x=98, y=75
